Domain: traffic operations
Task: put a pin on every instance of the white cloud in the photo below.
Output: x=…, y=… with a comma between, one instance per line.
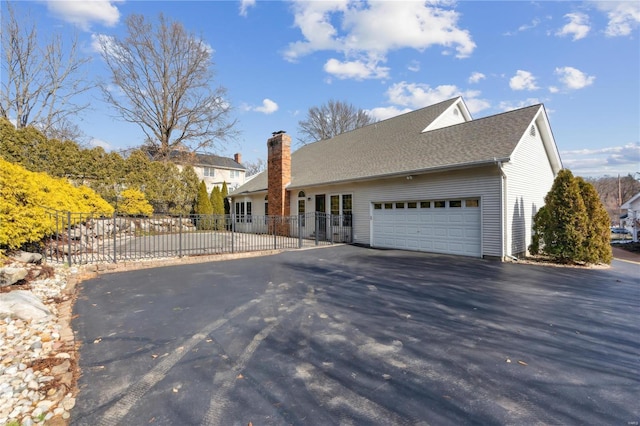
x=574, y=79
x=358, y=70
x=608, y=160
x=268, y=107
x=370, y=30
x=624, y=16
x=578, y=26
x=414, y=66
x=419, y=95
x=523, y=80
x=553, y=89
x=99, y=142
x=476, y=77
x=382, y=113
x=245, y=5
x=510, y=106
x=84, y=13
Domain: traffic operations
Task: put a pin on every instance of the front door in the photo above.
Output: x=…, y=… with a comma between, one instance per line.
x=321, y=216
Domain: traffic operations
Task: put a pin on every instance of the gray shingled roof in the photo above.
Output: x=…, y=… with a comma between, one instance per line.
x=210, y=160
x=397, y=146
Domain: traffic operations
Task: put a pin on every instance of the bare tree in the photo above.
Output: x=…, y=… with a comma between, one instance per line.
x=164, y=83
x=331, y=119
x=40, y=81
x=255, y=167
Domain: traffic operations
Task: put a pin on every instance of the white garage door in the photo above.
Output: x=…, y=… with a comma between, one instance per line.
x=438, y=226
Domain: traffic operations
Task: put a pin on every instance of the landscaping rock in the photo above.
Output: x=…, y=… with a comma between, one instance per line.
x=26, y=257
x=10, y=275
x=24, y=305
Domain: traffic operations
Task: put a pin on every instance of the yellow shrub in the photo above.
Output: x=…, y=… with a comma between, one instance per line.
x=134, y=203
x=28, y=201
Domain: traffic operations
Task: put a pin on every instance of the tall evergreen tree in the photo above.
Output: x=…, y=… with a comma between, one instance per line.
x=560, y=227
x=598, y=238
x=216, y=201
x=225, y=194
x=203, y=207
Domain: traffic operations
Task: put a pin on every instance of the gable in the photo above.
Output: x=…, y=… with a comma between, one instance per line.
x=400, y=146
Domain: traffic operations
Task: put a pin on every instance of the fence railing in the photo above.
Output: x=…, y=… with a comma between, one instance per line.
x=81, y=238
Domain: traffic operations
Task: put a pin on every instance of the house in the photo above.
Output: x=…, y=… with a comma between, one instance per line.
x=431, y=180
x=213, y=169
x=633, y=214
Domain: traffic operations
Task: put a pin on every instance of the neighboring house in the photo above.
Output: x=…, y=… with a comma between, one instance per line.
x=633, y=214
x=215, y=170
x=431, y=180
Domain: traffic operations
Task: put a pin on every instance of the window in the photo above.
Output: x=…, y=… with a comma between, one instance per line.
x=377, y=206
x=301, y=194
x=439, y=204
x=412, y=205
x=234, y=174
x=347, y=209
x=388, y=206
x=472, y=203
x=239, y=212
x=241, y=208
x=209, y=171
x=399, y=205
x=425, y=204
x=335, y=209
x=455, y=203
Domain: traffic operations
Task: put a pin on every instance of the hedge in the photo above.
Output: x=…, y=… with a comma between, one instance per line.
x=27, y=198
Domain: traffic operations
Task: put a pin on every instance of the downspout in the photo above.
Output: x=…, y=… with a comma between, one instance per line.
x=503, y=212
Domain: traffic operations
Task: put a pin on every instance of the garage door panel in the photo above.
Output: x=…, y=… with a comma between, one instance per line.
x=438, y=230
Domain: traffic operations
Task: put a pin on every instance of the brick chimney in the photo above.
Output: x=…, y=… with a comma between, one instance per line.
x=237, y=157
x=279, y=175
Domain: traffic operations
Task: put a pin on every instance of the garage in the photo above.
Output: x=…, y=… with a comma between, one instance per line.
x=438, y=226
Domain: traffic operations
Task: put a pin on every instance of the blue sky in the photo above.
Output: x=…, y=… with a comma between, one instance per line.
x=277, y=59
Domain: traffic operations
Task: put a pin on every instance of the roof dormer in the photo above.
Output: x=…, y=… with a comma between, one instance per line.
x=456, y=113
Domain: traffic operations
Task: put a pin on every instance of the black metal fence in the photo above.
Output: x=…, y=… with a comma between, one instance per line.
x=81, y=238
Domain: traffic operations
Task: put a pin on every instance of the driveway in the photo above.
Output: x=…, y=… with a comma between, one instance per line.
x=355, y=336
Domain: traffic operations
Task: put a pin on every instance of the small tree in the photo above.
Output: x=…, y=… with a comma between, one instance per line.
x=225, y=194
x=134, y=203
x=598, y=239
x=564, y=228
x=203, y=207
x=218, y=207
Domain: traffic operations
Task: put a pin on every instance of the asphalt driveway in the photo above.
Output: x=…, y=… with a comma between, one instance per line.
x=354, y=336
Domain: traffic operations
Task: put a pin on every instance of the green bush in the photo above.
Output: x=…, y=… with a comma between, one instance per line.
x=134, y=203
x=27, y=200
x=569, y=228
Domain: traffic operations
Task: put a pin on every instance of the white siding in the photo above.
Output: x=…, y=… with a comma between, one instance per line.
x=529, y=178
x=448, y=118
x=221, y=175
x=481, y=182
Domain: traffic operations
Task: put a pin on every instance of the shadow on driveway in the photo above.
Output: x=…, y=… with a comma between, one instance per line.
x=348, y=335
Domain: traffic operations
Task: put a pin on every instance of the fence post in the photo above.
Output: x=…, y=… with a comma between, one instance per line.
x=115, y=249
x=180, y=235
x=317, y=219
x=331, y=227
x=57, y=236
x=233, y=232
x=69, y=238
x=300, y=230
x=275, y=225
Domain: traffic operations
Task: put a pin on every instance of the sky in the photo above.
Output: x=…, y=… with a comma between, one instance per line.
x=581, y=59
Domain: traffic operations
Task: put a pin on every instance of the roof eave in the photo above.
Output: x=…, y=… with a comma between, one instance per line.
x=428, y=170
